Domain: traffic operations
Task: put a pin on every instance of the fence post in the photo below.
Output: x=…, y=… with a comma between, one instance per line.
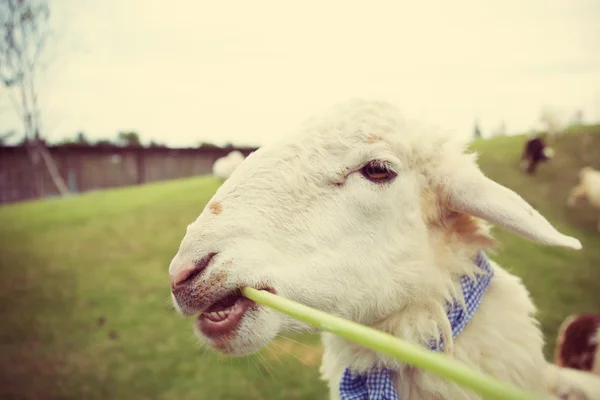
x=141, y=166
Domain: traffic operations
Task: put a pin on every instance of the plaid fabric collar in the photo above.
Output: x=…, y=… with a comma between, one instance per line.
x=377, y=384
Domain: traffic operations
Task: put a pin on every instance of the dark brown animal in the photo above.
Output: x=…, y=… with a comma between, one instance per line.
x=535, y=151
x=578, y=342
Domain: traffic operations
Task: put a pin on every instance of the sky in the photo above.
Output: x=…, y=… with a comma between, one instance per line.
x=248, y=72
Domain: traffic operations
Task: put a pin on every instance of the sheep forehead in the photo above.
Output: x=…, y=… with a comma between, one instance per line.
x=328, y=136
x=316, y=153
x=353, y=123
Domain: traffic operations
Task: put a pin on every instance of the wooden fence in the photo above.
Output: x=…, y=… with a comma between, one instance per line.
x=87, y=168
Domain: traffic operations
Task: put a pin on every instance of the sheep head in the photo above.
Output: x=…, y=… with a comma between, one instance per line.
x=358, y=214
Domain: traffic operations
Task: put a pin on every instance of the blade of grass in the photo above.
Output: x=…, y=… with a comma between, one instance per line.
x=393, y=346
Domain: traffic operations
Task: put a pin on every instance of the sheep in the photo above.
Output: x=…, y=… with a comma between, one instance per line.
x=576, y=374
x=534, y=152
x=578, y=343
x=224, y=166
x=376, y=219
x=573, y=384
x=588, y=188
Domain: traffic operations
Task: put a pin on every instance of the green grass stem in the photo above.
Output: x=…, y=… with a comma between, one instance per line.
x=385, y=343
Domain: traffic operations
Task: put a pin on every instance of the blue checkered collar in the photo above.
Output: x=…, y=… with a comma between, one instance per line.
x=378, y=384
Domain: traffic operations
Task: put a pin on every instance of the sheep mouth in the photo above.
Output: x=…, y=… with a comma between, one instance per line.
x=224, y=316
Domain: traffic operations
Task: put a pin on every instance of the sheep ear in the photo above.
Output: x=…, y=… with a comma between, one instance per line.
x=481, y=197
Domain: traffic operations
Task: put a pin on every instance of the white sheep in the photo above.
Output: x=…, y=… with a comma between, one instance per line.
x=587, y=189
x=371, y=218
x=573, y=384
x=224, y=166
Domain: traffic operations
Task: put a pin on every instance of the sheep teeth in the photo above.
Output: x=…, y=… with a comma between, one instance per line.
x=218, y=316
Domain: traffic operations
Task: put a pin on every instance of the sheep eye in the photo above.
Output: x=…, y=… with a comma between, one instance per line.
x=378, y=172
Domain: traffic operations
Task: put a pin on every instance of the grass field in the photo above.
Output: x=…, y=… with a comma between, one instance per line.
x=84, y=293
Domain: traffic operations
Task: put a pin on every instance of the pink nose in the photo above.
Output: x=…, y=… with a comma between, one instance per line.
x=190, y=271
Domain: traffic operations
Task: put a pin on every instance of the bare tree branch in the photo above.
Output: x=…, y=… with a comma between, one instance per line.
x=24, y=29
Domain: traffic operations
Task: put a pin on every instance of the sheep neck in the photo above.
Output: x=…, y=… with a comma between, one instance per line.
x=378, y=382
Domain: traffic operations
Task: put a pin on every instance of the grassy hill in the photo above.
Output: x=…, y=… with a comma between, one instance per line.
x=84, y=294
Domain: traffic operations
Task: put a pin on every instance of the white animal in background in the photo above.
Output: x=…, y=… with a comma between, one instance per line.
x=371, y=218
x=573, y=384
x=224, y=166
x=587, y=189
x=578, y=350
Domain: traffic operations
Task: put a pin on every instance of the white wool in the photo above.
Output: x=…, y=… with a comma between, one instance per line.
x=588, y=189
x=572, y=384
x=224, y=166
x=299, y=217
